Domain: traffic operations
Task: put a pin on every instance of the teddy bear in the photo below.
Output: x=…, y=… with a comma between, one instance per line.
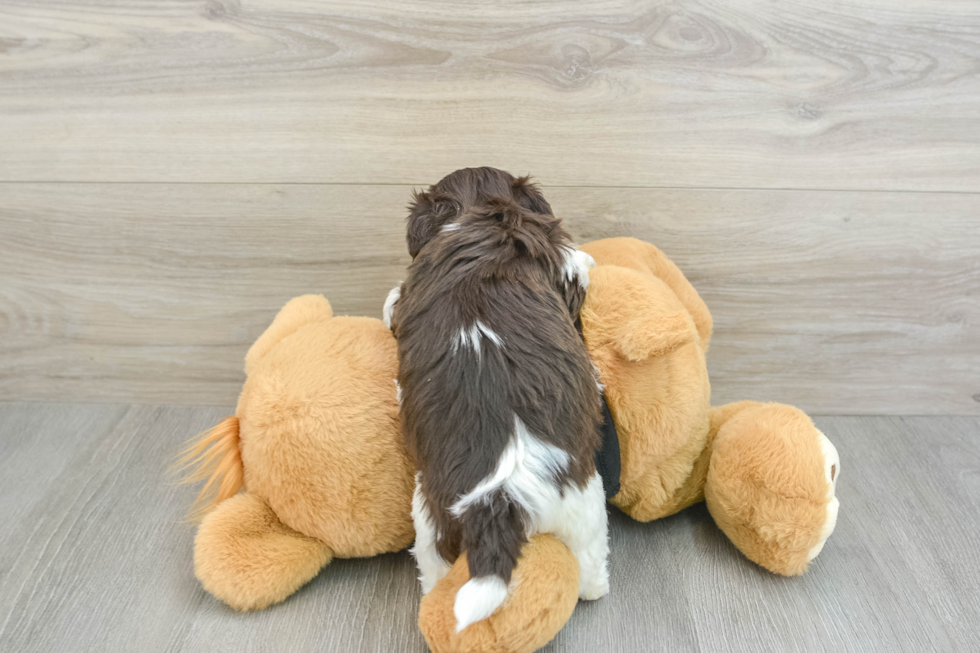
x=312, y=467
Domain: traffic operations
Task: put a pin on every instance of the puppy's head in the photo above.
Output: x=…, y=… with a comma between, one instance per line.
x=462, y=190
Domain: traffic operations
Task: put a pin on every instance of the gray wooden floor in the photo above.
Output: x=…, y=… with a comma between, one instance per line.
x=94, y=557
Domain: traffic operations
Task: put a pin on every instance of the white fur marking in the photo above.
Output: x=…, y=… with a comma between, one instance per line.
x=477, y=600
x=450, y=226
x=525, y=471
x=577, y=517
x=598, y=379
x=398, y=392
x=467, y=338
x=389, y=308
x=471, y=337
x=580, y=522
x=431, y=565
x=831, y=470
x=577, y=266
x=489, y=333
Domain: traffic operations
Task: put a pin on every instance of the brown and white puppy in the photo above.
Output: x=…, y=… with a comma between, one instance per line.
x=499, y=404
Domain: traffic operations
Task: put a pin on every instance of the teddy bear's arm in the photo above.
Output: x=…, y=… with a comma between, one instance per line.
x=634, y=254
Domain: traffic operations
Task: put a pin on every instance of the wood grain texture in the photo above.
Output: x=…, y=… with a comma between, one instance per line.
x=854, y=94
x=94, y=559
x=893, y=542
x=838, y=302
x=853, y=303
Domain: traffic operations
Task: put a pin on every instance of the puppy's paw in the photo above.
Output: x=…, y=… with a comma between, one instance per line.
x=595, y=583
x=593, y=591
x=389, y=308
x=577, y=266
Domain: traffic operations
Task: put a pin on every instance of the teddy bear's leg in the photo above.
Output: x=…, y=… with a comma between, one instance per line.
x=771, y=484
x=246, y=557
x=543, y=593
x=583, y=527
x=431, y=566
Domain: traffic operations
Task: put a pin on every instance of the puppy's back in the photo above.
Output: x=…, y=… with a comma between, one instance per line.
x=499, y=403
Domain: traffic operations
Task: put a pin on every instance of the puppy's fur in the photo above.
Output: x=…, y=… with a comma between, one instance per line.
x=499, y=403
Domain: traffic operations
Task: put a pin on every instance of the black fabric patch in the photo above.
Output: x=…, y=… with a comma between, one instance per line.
x=607, y=461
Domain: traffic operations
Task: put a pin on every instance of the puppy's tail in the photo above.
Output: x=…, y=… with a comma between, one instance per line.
x=493, y=533
x=213, y=455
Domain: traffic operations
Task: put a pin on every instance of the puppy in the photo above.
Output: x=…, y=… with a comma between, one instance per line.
x=499, y=403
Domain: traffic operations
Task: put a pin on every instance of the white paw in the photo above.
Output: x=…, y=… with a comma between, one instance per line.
x=831, y=469
x=389, y=307
x=593, y=591
x=427, y=582
x=432, y=568
x=595, y=580
x=577, y=266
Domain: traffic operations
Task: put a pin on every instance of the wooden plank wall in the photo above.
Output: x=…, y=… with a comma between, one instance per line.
x=172, y=171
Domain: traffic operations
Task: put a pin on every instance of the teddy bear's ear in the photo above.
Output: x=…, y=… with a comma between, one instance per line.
x=297, y=312
x=635, y=314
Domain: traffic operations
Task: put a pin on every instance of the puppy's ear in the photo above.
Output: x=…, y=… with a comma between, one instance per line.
x=574, y=296
x=427, y=213
x=574, y=279
x=527, y=194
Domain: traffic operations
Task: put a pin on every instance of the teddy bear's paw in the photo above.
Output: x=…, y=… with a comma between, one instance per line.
x=831, y=468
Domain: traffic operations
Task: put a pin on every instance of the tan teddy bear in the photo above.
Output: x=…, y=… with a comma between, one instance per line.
x=316, y=444
x=324, y=473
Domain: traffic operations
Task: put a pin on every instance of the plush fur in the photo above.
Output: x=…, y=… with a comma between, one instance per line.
x=499, y=405
x=215, y=457
x=762, y=488
x=280, y=560
x=767, y=474
x=764, y=468
x=314, y=441
x=332, y=378
x=546, y=585
x=651, y=357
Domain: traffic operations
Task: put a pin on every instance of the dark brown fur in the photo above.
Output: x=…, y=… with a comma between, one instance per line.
x=502, y=266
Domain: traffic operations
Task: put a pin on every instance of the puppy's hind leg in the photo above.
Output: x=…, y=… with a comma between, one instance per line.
x=584, y=528
x=431, y=565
